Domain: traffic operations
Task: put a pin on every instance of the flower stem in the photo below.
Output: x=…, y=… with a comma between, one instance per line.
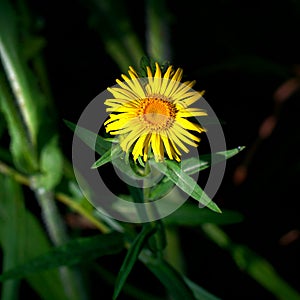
x=58, y=235
x=158, y=239
x=61, y=197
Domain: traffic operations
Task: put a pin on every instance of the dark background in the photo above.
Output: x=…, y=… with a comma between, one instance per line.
x=240, y=54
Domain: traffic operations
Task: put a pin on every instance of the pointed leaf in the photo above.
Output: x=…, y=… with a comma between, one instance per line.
x=51, y=165
x=171, y=279
x=131, y=257
x=22, y=152
x=185, y=182
x=193, y=165
x=190, y=215
x=22, y=238
x=16, y=70
x=161, y=189
x=253, y=264
x=91, y=139
x=111, y=154
x=75, y=252
x=199, y=292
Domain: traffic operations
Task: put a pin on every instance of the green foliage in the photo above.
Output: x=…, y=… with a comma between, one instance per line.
x=81, y=250
x=111, y=154
x=16, y=68
x=91, y=139
x=131, y=258
x=171, y=279
x=22, y=238
x=59, y=250
x=186, y=183
x=51, y=165
x=191, y=215
x=252, y=263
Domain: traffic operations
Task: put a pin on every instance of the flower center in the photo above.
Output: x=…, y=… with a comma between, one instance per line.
x=157, y=113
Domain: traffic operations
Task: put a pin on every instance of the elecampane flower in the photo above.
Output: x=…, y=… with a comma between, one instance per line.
x=150, y=114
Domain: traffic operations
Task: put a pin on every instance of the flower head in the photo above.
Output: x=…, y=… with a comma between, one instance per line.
x=150, y=114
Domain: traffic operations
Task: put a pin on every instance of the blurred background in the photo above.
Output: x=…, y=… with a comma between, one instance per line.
x=246, y=57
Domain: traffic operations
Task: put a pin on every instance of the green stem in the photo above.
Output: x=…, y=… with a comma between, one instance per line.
x=173, y=253
x=130, y=290
x=58, y=234
x=19, y=85
x=63, y=198
x=17, y=130
x=157, y=241
x=55, y=226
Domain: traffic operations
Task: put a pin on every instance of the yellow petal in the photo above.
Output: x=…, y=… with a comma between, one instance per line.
x=174, y=139
x=123, y=93
x=167, y=145
x=189, y=125
x=157, y=71
x=182, y=89
x=131, y=138
x=191, y=112
x=139, y=146
x=168, y=72
x=133, y=71
x=165, y=81
x=178, y=75
x=135, y=87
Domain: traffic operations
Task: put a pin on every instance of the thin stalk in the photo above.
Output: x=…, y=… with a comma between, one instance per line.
x=158, y=240
x=63, y=198
x=16, y=127
x=173, y=253
x=58, y=234
x=18, y=82
x=83, y=212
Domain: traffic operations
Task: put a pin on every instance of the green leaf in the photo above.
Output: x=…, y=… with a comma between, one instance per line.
x=21, y=239
x=171, y=279
x=72, y=253
x=17, y=71
x=131, y=257
x=111, y=154
x=185, y=182
x=161, y=189
x=191, y=215
x=158, y=241
x=199, y=292
x=51, y=164
x=129, y=289
x=91, y=139
x=145, y=62
x=252, y=264
x=263, y=272
x=22, y=151
x=193, y=165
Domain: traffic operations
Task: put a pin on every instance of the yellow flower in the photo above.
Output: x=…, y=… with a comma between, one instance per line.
x=151, y=113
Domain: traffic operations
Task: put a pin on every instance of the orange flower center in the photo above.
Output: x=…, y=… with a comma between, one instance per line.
x=157, y=113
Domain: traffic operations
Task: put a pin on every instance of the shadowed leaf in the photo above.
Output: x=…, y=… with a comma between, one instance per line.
x=131, y=257
x=75, y=252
